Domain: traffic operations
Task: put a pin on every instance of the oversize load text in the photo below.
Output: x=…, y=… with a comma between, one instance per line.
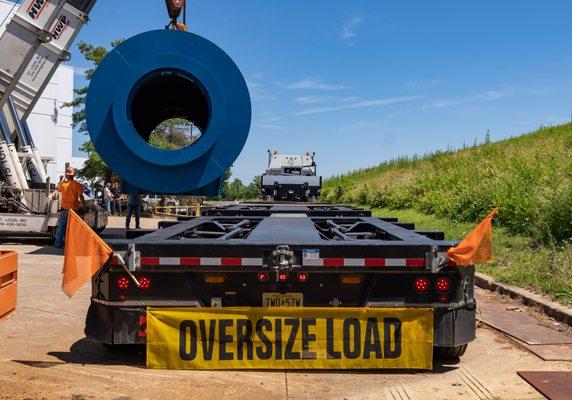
x=230, y=338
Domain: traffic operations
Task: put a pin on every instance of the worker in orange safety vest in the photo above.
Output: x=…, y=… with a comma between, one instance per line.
x=71, y=198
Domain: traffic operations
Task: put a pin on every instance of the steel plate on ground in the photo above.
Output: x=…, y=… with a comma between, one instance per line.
x=552, y=352
x=519, y=325
x=554, y=385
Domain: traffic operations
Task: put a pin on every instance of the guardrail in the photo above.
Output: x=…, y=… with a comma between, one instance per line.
x=194, y=210
x=8, y=283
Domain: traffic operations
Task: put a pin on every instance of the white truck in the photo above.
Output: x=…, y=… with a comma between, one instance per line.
x=291, y=178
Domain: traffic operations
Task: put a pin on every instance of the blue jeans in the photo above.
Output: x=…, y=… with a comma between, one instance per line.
x=107, y=205
x=133, y=210
x=62, y=226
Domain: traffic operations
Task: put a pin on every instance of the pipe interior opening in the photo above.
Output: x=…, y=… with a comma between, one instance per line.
x=169, y=109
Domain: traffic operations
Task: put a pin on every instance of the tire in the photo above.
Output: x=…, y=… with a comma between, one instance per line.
x=451, y=352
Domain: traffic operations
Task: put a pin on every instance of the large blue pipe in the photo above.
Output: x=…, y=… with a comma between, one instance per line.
x=156, y=76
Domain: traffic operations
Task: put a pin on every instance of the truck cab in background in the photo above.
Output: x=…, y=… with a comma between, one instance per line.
x=291, y=178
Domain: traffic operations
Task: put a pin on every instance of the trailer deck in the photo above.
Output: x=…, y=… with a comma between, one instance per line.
x=282, y=255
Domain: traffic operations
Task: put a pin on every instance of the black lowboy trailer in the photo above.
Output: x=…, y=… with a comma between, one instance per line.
x=283, y=255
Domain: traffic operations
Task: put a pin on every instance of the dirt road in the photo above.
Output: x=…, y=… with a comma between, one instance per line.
x=43, y=355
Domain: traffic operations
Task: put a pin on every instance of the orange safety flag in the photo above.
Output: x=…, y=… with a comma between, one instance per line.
x=477, y=247
x=85, y=254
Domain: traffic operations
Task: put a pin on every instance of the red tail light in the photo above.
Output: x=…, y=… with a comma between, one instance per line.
x=144, y=283
x=262, y=276
x=282, y=276
x=122, y=283
x=302, y=277
x=422, y=285
x=443, y=285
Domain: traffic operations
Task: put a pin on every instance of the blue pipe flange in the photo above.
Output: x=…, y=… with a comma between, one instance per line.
x=156, y=76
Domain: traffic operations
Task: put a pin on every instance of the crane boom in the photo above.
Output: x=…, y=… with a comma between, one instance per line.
x=37, y=39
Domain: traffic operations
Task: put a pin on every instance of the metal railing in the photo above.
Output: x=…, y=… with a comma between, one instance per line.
x=188, y=211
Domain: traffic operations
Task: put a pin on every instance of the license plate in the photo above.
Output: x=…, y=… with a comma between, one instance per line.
x=282, y=300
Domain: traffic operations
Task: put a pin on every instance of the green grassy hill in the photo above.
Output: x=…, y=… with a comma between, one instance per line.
x=529, y=177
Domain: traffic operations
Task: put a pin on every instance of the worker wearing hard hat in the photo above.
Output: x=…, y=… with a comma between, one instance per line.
x=71, y=198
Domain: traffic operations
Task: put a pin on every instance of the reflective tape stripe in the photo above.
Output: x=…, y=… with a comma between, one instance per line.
x=190, y=261
x=333, y=262
x=414, y=262
x=169, y=261
x=231, y=262
x=149, y=260
x=252, y=261
x=308, y=262
x=395, y=262
x=198, y=261
x=374, y=262
x=354, y=262
x=210, y=261
x=364, y=262
x=313, y=262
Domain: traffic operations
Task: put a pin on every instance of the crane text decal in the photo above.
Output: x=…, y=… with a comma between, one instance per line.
x=62, y=24
x=286, y=338
x=36, y=7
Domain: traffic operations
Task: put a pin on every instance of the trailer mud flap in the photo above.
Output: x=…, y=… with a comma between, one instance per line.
x=290, y=338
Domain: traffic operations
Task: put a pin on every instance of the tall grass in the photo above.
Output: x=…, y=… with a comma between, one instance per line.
x=517, y=260
x=528, y=177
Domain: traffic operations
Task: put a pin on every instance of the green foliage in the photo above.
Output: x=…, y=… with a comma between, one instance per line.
x=518, y=260
x=528, y=177
x=94, y=167
x=236, y=190
x=225, y=182
x=173, y=134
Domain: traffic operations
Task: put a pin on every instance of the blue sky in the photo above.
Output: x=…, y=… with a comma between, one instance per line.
x=361, y=82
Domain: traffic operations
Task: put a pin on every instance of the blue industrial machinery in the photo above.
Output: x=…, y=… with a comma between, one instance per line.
x=156, y=76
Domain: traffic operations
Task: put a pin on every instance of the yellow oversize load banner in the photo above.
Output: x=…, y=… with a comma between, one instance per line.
x=289, y=338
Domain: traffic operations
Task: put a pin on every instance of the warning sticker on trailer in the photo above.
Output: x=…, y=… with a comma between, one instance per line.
x=289, y=338
x=311, y=254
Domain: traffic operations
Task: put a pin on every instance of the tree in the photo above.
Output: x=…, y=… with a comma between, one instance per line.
x=224, y=184
x=94, y=167
x=235, y=190
x=253, y=190
x=174, y=133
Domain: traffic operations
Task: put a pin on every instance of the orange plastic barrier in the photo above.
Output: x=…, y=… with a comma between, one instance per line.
x=8, y=283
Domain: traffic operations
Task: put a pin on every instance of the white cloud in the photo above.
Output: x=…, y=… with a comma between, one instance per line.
x=358, y=104
x=486, y=96
x=310, y=99
x=272, y=119
x=258, y=92
x=416, y=85
x=270, y=126
x=350, y=27
x=323, y=99
x=315, y=84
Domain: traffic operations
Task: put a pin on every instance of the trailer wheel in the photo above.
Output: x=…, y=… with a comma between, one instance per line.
x=451, y=352
x=113, y=348
x=123, y=348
